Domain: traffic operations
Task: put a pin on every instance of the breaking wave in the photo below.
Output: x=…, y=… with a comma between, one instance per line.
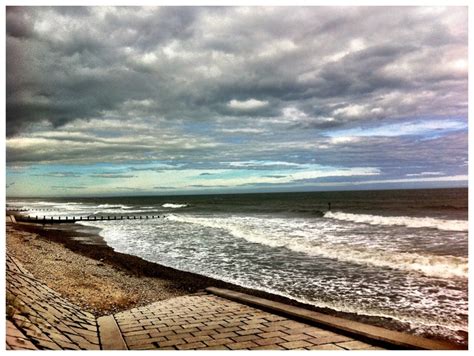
x=408, y=221
x=278, y=234
x=174, y=206
x=112, y=206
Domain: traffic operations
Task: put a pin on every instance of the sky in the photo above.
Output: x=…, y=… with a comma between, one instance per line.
x=189, y=100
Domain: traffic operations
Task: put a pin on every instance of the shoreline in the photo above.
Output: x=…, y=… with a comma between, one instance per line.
x=71, y=238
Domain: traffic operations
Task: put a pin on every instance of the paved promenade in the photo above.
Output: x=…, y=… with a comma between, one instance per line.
x=208, y=322
x=39, y=318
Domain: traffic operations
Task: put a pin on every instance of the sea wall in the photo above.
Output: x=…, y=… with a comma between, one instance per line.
x=39, y=318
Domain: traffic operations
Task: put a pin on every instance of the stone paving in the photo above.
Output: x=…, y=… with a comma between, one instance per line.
x=39, y=318
x=208, y=322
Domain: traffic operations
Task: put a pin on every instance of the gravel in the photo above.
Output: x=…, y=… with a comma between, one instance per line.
x=95, y=286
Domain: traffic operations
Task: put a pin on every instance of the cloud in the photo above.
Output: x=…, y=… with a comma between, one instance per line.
x=60, y=187
x=156, y=89
x=249, y=104
x=111, y=175
x=458, y=178
x=420, y=127
x=58, y=174
x=133, y=189
x=422, y=174
x=241, y=178
x=261, y=164
x=194, y=62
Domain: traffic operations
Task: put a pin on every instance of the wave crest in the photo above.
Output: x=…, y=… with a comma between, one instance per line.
x=408, y=221
x=174, y=206
x=262, y=232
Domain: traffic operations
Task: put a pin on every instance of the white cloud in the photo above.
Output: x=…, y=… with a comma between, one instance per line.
x=344, y=139
x=250, y=104
x=242, y=130
x=403, y=128
x=254, y=163
x=457, y=178
x=424, y=174
x=285, y=177
x=352, y=111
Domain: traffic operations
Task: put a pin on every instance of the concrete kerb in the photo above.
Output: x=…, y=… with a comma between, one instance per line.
x=377, y=335
x=110, y=335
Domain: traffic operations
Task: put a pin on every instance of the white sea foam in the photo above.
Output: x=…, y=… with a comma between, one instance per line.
x=115, y=233
x=414, y=302
x=408, y=221
x=114, y=206
x=309, y=239
x=174, y=206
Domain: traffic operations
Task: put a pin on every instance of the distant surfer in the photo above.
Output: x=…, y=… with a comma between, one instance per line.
x=329, y=206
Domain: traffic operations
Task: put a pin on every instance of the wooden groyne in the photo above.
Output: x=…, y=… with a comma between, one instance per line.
x=72, y=219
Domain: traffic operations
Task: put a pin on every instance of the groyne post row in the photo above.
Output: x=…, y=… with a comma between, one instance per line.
x=69, y=219
x=31, y=210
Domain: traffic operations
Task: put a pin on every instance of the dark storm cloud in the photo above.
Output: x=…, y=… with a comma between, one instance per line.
x=190, y=63
x=240, y=95
x=18, y=24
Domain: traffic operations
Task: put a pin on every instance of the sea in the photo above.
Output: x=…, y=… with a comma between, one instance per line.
x=396, y=258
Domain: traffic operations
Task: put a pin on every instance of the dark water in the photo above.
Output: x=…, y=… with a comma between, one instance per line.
x=397, y=258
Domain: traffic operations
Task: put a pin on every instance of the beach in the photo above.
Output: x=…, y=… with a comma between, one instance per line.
x=393, y=259
x=98, y=279
x=84, y=271
x=95, y=286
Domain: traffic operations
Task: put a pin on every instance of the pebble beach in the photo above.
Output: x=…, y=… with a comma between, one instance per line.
x=95, y=286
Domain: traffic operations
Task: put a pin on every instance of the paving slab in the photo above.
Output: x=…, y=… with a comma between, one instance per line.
x=207, y=321
x=39, y=318
x=44, y=318
x=371, y=334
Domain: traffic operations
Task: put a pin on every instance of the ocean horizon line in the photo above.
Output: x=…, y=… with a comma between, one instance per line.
x=121, y=195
